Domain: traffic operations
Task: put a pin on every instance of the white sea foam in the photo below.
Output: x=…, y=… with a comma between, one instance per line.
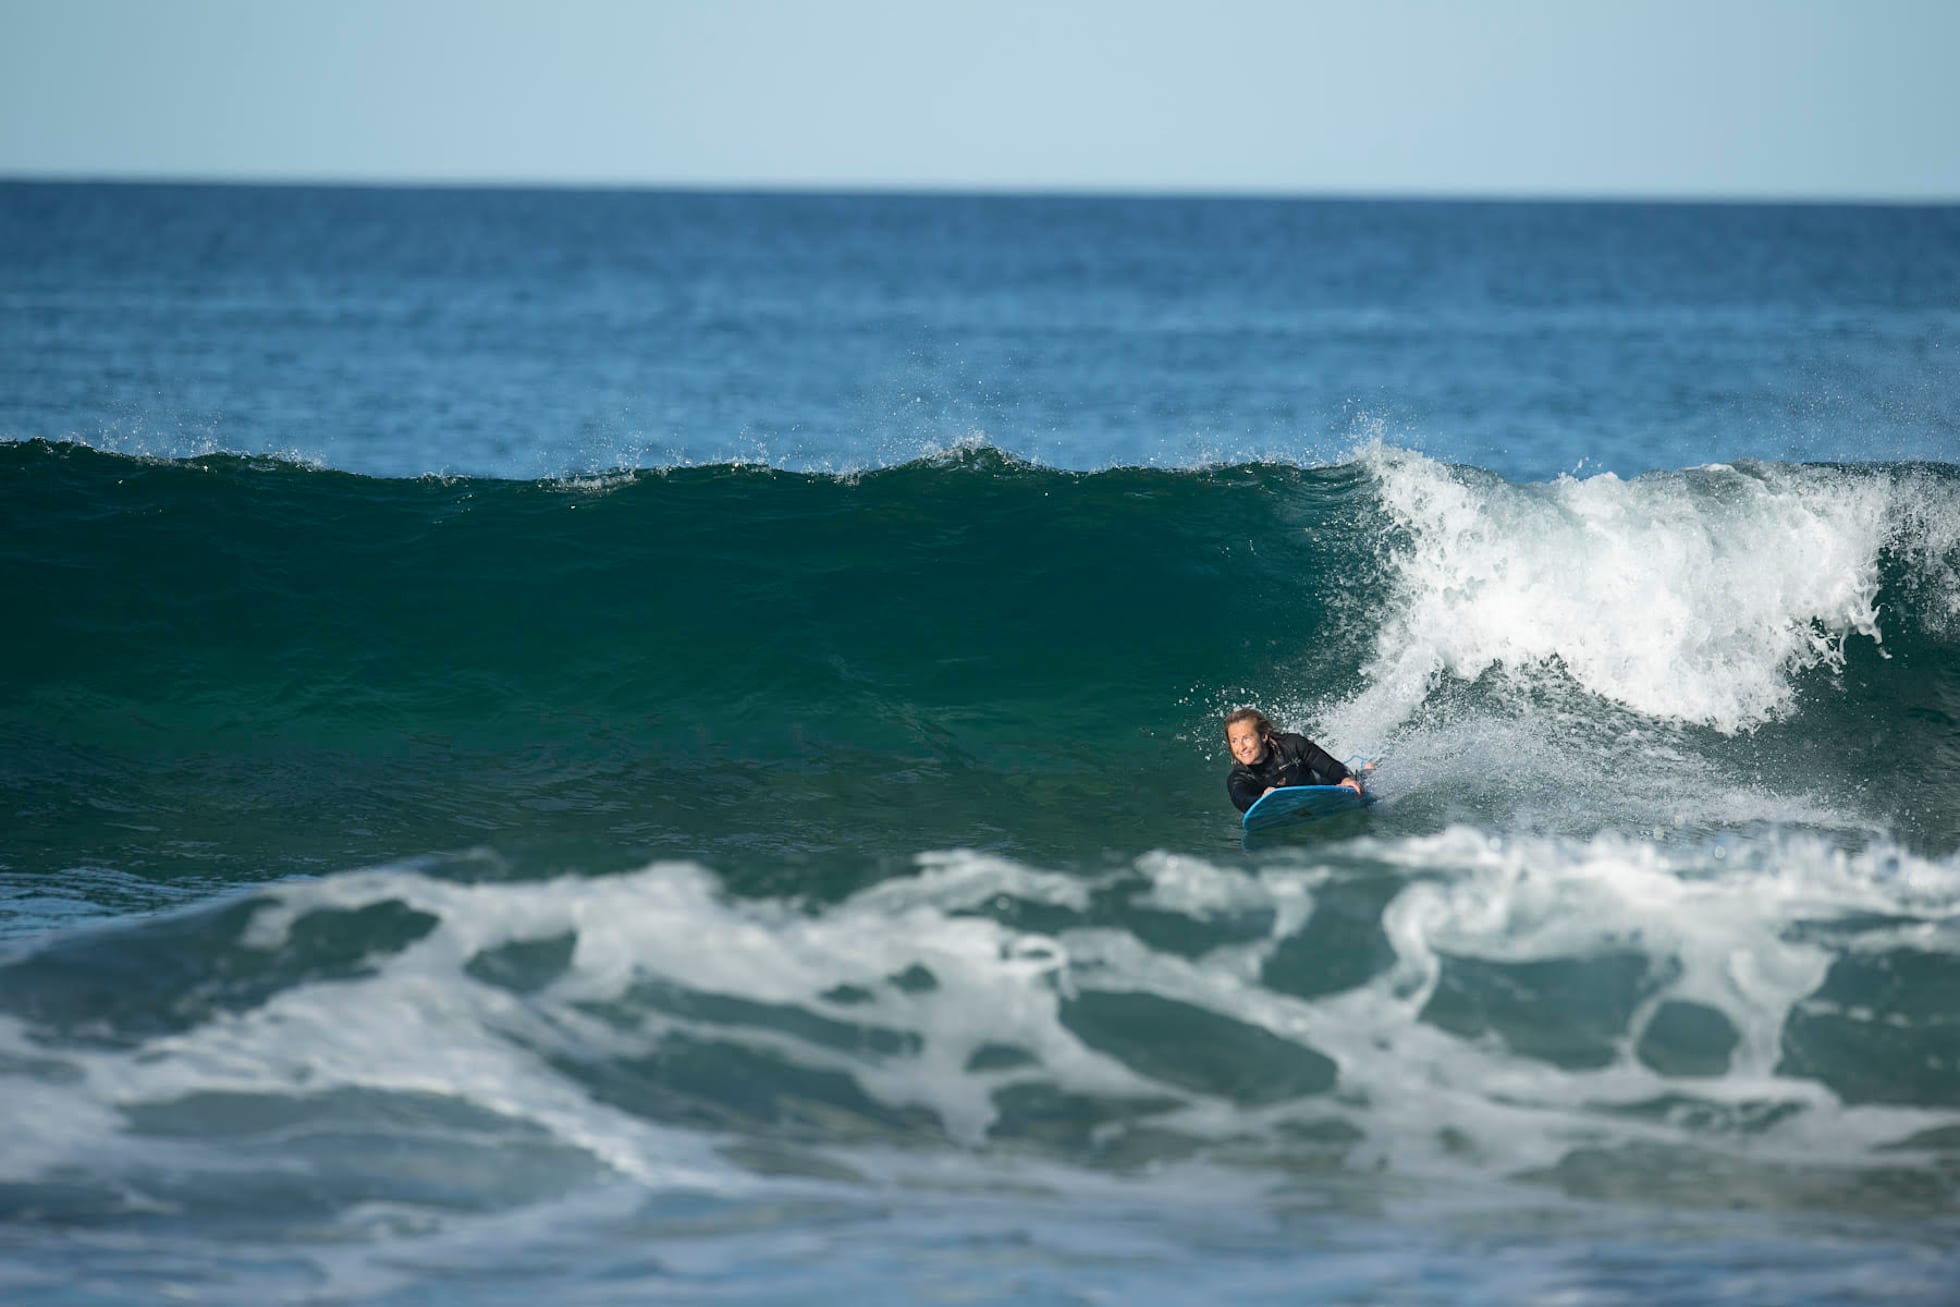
x=1694, y=596
x=1713, y=921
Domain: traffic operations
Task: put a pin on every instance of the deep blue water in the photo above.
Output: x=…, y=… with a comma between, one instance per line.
x=617, y=746
x=527, y=334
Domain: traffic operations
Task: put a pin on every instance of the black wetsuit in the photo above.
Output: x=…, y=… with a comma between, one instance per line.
x=1290, y=760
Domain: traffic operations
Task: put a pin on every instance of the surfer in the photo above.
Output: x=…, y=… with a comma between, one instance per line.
x=1269, y=760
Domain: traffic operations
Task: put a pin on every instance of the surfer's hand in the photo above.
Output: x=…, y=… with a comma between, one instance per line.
x=1351, y=784
x=1269, y=790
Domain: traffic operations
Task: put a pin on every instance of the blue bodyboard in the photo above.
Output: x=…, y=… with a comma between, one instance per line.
x=1298, y=803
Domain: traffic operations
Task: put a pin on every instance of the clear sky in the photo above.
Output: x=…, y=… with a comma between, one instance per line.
x=1721, y=98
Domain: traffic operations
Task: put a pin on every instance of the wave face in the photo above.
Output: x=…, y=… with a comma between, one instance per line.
x=945, y=653
x=851, y=844
x=265, y=667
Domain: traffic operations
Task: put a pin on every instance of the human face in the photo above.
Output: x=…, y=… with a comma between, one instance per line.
x=1247, y=747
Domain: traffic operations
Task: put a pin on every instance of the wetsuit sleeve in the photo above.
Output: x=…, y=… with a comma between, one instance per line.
x=1245, y=791
x=1326, y=768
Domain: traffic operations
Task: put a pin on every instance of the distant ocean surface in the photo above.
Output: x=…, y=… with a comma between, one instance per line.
x=619, y=747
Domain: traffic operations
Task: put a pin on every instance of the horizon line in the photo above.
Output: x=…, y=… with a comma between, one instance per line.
x=873, y=189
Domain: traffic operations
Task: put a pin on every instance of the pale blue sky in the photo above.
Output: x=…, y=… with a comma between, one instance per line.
x=1728, y=98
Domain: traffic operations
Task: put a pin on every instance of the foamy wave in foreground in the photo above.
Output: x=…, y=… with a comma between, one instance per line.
x=1455, y=1005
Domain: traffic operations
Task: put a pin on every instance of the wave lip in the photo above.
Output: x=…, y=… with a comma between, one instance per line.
x=1697, y=596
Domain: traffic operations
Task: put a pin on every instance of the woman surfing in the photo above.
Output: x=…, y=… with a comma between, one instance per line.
x=1270, y=759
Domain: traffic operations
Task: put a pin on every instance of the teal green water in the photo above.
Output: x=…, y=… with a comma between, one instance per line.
x=728, y=662
x=238, y=669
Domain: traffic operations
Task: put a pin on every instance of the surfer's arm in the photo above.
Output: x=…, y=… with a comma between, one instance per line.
x=1324, y=768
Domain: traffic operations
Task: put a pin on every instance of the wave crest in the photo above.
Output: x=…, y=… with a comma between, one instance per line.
x=1698, y=596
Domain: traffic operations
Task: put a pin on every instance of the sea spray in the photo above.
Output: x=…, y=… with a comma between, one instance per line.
x=1694, y=596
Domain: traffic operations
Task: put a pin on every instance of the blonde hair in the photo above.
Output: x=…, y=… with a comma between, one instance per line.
x=1253, y=715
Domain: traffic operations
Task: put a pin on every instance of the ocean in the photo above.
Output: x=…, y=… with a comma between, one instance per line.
x=608, y=747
